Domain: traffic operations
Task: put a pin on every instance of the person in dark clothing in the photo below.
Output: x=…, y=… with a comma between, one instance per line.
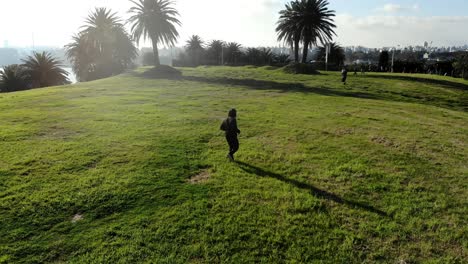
x=344, y=75
x=229, y=126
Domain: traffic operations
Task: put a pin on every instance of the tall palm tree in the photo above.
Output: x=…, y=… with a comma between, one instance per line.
x=43, y=70
x=306, y=21
x=155, y=20
x=287, y=28
x=100, y=28
x=316, y=23
x=195, y=50
x=13, y=78
x=103, y=48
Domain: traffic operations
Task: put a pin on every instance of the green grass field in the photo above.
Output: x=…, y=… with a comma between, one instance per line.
x=134, y=170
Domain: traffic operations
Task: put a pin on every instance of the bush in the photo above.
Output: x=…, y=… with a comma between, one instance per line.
x=300, y=68
x=162, y=71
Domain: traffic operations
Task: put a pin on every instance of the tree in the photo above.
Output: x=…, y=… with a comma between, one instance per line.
x=336, y=55
x=43, y=70
x=215, y=52
x=103, y=48
x=154, y=20
x=81, y=55
x=315, y=22
x=287, y=28
x=461, y=65
x=308, y=21
x=195, y=50
x=13, y=78
x=253, y=56
x=233, y=52
x=281, y=59
x=266, y=56
x=383, y=61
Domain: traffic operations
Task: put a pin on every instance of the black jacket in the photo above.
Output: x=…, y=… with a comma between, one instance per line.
x=230, y=127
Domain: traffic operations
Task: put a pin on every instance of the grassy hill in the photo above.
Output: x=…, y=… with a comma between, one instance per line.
x=133, y=169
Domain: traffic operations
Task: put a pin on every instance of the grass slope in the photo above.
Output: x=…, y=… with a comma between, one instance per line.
x=372, y=172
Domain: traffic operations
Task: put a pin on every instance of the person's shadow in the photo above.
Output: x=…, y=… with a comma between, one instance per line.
x=313, y=190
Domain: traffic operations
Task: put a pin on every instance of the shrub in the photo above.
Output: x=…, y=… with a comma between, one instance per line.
x=162, y=71
x=300, y=68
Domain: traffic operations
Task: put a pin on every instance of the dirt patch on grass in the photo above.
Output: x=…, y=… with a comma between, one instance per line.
x=385, y=142
x=56, y=132
x=200, y=178
x=77, y=218
x=344, y=131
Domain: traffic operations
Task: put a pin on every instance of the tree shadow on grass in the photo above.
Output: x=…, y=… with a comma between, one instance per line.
x=312, y=189
x=453, y=104
x=300, y=87
x=446, y=83
x=283, y=87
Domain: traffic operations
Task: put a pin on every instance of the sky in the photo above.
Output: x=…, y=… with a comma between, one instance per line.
x=368, y=23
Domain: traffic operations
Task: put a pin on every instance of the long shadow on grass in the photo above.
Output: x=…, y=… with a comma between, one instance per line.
x=299, y=87
x=314, y=190
x=283, y=87
x=447, y=83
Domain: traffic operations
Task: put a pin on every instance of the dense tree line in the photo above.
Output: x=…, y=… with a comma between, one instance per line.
x=218, y=52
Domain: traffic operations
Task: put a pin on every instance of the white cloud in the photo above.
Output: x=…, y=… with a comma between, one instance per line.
x=396, y=8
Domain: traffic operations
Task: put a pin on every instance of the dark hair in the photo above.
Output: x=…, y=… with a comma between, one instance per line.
x=232, y=113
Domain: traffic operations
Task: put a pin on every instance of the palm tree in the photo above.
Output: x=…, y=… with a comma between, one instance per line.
x=316, y=23
x=253, y=56
x=124, y=51
x=103, y=48
x=336, y=56
x=154, y=20
x=287, y=28
x=43, y=70
x=81, y=55
x=306, y=21
x=233, y=52
x=281, y=59
x=266, y=56
x=100, y=28
x=195, y=49
x=216, y=52
x=13, y=78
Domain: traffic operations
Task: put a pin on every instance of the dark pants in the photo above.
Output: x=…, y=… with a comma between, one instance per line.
x=233, y=144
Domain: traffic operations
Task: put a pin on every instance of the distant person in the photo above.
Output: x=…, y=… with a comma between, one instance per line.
x=355, y=70
x=229, y=126
x=363, y=70
x=344, y=75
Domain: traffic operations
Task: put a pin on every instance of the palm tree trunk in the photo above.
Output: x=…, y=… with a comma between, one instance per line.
x=305, y=52
x=296, y=50
x=156, y=53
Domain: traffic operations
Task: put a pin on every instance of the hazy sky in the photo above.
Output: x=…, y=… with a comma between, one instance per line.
x=373, y=23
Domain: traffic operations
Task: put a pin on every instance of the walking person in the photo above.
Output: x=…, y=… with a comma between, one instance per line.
x=229, y=126
x=344, y=75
